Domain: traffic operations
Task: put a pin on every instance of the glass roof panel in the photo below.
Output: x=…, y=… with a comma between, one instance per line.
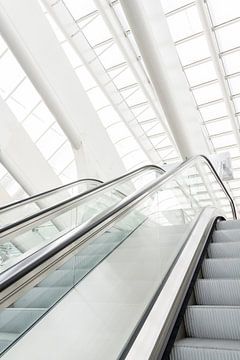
x=207, y=93
x=236, y=102
x=213, y=111
x=123, y=78
x=184, y=23
x=169, y=5
x=108, y=116
x=232, y=62
x=62, y=158
x=223, y=10
x=126, y=145
x=225, y=37
x=69, y=173
x=50, y=141
x=118, y=131
x=81, y=7
x=234, y=83
x=71, y=54
x=219, y=126
x=26, y=96
x=193, y=50
x=95, y=37
x=201, y=73
x=112, y=56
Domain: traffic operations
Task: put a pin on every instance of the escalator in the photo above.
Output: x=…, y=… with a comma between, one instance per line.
x=118, y=285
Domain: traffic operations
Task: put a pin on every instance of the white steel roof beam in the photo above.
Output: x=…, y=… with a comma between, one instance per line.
x=214, y=51
x=150, y=29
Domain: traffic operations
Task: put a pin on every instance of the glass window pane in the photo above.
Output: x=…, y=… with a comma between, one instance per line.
x=219, y=126
x=85, y=78
x=108, y=116
x=112, y=56
x=118, y=131
x=97, y=31
x=97, y=98
x=50, y=141
x=80, y=8
x=224, y=140
x=62, y=157
x=234, y=84
x=71, y=54
x=237, y=103
x=169, y=5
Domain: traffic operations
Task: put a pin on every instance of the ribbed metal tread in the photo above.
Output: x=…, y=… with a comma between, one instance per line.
x=224, y=250
x=217, y=292
x=230, y=224
x=213, y=322
x=230, y=235
x=221, y=268
x=205, y=349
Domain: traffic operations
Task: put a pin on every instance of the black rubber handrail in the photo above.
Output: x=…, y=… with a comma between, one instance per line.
x=45, y=212
x=45, y=194
x=30, y=263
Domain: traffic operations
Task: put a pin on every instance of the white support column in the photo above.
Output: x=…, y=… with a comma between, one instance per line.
x=33, y=42
x=149, y=26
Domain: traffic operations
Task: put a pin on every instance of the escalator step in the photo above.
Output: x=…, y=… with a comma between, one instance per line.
x=213, y=322
x=217, y=292
x=224, y=250
x=205, y=349
x=58, y=278
x=230, y=235
x=230, y=224
x=221, y=268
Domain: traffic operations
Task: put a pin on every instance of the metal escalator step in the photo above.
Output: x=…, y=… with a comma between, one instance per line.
x=224, y=250
x=205, y=349
x=229, y=224
x=217, y=292
x=213, y=322
x=18, y=320
x=221, y=268
x=40, y=297
x=230, y=235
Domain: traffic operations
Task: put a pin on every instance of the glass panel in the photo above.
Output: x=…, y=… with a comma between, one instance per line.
x=232, y=62
x=118, y=270
x=222, y=10
x=234, y=83
x=201, y=73
x=207, y=93
x=193, y=50
x=213, y=111
x=226, y=36
x=184, y=23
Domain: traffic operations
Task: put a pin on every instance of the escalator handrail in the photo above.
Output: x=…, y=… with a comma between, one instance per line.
x=30, y=263
x=43, y=212
x=43, y=194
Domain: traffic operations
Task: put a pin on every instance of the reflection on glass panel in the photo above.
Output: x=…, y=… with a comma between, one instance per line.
x=193, y=50
x=222, y=10
x=207, y=93
x=213, y=111
x=226, y=36
x=201, y=73
x=184, y=23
